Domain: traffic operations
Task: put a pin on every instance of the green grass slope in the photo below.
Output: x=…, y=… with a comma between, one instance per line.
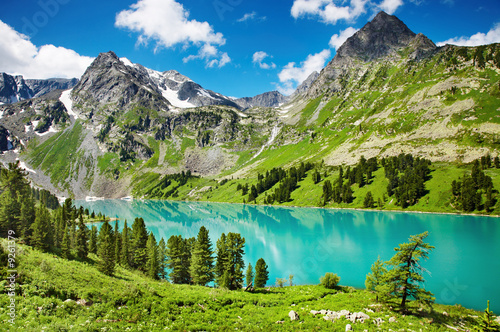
x=130, y=301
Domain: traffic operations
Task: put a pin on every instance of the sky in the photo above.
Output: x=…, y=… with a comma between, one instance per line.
x=239, y=48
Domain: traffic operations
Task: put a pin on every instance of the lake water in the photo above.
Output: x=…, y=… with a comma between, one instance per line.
x=306, y=242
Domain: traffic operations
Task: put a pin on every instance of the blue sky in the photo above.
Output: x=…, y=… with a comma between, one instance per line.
x=235, y=47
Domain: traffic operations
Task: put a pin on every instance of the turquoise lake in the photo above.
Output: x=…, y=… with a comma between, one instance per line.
x=464, y=267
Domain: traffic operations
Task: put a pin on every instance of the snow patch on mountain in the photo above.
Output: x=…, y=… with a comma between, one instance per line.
x=68, y=103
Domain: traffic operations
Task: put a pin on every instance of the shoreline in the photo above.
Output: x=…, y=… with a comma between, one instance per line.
x=318, y=207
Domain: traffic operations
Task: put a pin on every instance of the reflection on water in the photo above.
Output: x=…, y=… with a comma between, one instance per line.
x=307, y=242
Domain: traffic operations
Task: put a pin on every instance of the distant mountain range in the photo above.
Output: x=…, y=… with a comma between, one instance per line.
x=122, y=126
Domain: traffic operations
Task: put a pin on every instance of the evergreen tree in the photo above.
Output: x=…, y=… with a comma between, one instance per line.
x=488, y=323
x=81, y=240
x=368, y=202
x=118, y=243
x=249, y=274
x=261, y=273
x=27, y=218
x=66, y=244
x=152, y=264
x=93, y=240
x=222, y=259
x=405, y=278
x=376, y=277
x=162, y=259
x=41, y=238
x=201, y=260
x=138, y=244
x=106, y=249
x=236, y=265
x=125, y=245
x=179, y=253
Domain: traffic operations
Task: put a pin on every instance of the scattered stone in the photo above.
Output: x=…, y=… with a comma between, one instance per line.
x=348, y=327
x=497, y=320
x=69, y=301
x=369, y=310
x=293, y=315
x=392, y=319
x=378, y=321
x=315, y=312
x=323, y=312
x=329, y=318
x=280, y=322
x=446, y=314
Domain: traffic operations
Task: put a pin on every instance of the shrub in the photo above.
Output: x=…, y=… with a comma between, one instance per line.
x=330, y=280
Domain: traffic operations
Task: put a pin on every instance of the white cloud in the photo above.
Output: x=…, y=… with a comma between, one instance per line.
x=258, y=58
x=251, y=16
x=390, y=6
x=492, y=36
x=167, y=23
x=18, y=55
x=291, y=75
x=327, y=10
x=338, y=39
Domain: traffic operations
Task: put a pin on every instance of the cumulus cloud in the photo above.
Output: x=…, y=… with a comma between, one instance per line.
x=19, y=56
x=292, y=75
x=258, y=58
x=480, y=38
x=327, y=11
x=390, y=6
x=338, y=39
x=167, y=23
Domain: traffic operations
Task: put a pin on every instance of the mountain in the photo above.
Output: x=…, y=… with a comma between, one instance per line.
x=123, y=127
x=42, y=87
x=13, y=89
x=16, y=88
x=266, y=99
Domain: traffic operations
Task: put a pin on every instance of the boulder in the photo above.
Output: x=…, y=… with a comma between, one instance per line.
x=348, y=327
x=293, y=315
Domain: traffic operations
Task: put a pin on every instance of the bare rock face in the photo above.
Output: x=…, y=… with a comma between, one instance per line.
x=384, y=35
x=382, y=38
x=266, y=99
x=42, y=87
x=13, y=89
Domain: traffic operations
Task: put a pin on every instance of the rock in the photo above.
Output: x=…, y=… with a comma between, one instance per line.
x=323, y=312
x=69, y=301
x=378, y=321
x=348, y=327
x=280, y=322
x=392, y=320
x=369, y=310
x=293, y=315
x=446, y=314
x=315, y=312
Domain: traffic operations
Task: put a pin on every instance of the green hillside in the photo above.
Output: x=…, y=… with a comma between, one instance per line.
x=49, y=288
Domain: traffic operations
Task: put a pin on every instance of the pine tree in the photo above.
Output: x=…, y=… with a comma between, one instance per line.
x=81, y=240
x=404, y=278
x=222, y=259
x=41, y=229
x=235, y=266
x=249, y=274
x=118, y=243
x=93, y=240
x=105, y=250
x=125, y=245
x=162, y=259
x=179, y=253
x=66, y=244
x=138, y=244
x=488, y=323
x=152, y=265
x=261, y=273
x=376, y=277
x=27, y=217
x=201, y=260
x=368, y=202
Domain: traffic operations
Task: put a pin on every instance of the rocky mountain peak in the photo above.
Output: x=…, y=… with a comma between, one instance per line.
x=378, y=38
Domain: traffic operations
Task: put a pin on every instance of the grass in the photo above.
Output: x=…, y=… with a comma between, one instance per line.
x=132, y=301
